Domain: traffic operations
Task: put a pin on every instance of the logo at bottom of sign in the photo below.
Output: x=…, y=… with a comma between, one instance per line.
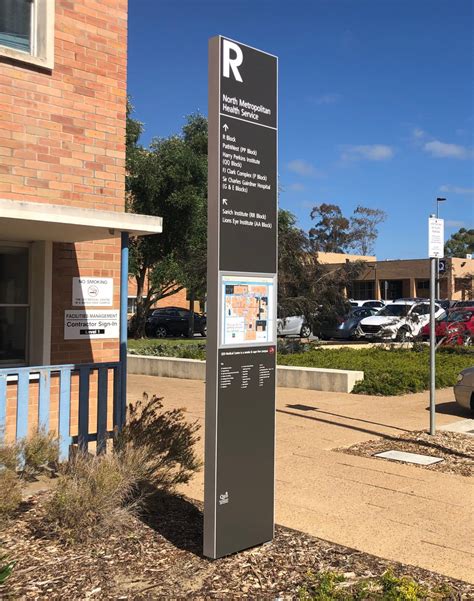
x=224, y=498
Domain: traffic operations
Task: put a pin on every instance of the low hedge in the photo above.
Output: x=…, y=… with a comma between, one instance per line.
x=388, y=372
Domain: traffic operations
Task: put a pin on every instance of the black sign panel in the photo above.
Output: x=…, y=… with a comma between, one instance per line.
x=248, y=159
x=241, y=322
x=245, y=430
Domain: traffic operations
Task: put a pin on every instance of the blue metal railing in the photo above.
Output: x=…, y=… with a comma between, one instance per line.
x=21, y=377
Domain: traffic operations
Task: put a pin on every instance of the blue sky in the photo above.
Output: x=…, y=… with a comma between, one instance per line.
x=376, y=99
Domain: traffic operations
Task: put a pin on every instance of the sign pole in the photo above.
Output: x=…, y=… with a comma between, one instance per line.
x=433, y=278
x=241, y=295
x=435, y=252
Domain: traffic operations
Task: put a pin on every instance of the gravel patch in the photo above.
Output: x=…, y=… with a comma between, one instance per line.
x=457, y=450
x=159, y=557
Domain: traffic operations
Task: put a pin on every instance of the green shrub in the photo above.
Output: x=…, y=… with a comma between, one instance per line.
x=10, y=492
x=95, y=495
x=166, y=439
x=39, y=449
x=6, y=568
x=388, y=371
x=332, y=586
x=182, y=350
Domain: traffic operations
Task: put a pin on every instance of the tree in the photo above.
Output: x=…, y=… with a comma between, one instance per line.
x=169, y=179
x=331, y=232
x=460, y=244
x=336, y=233
x=363, y=229
x=305, y=286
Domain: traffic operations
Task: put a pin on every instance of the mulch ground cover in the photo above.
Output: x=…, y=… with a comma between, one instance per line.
x=159, y=557
x=456, y=450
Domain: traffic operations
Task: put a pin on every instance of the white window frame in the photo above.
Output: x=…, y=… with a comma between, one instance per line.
x=41, y=52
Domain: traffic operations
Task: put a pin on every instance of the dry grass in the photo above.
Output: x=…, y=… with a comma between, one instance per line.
x=10, y=493
x=39, y=449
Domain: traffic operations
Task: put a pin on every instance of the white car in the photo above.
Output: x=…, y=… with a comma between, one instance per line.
x=375, y=304
x=400, y=321
x=293, y=326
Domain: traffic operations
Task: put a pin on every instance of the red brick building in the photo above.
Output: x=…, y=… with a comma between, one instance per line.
x=62, y=169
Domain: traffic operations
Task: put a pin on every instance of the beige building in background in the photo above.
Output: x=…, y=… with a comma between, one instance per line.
x=391, y=279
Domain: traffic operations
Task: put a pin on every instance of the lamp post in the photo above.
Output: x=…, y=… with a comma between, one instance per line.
x=438, y=200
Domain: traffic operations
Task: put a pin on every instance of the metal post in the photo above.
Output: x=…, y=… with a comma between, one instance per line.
x=123, y=325
x=432, y=348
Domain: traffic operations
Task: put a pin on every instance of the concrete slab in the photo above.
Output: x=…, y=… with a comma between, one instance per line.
x=464, y=426
x=409, y=457
x=393, y=510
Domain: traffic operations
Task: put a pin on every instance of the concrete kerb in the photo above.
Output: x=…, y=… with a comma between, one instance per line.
x=311, y=378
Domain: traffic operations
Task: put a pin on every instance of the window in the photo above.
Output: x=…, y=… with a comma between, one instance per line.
x=363, y=289
x=14, y=304
x=27, y=31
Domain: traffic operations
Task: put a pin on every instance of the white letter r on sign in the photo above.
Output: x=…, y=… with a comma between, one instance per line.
x=232, y=63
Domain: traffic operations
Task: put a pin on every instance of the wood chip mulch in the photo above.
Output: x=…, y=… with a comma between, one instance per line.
x=456, y=450
x=160, y=558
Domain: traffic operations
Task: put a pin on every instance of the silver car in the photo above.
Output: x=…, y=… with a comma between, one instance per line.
x=293, y=326
x=464, y=389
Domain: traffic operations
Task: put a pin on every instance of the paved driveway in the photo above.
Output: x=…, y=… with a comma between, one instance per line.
x=399, y=512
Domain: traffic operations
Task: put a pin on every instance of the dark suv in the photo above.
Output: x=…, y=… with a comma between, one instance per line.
x=173, y=321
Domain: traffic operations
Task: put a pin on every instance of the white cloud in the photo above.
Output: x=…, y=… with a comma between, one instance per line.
x=418, y=133
x=454, y=223
x=367, y=152
x=296, y=187
x=329, y=98
x=304, y=168
x=441, y=150
x=448, y=189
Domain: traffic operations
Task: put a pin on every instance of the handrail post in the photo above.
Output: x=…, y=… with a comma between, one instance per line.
x=123, y=326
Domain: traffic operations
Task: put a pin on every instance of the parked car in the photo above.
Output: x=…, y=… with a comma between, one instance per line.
x=173, y=321
x=464, y=389
x=399, y=321
x=456, y=327
x=465, y=303
x=293, y=326
x=348, y=327
x=377, y=304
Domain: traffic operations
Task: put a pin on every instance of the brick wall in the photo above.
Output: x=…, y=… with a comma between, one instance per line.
x=62, y=141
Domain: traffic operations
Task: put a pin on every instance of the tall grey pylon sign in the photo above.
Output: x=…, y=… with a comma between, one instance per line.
x=241, y=298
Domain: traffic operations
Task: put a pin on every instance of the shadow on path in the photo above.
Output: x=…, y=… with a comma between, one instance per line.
x=357, y=419
x=451, y=408
x=423, y=443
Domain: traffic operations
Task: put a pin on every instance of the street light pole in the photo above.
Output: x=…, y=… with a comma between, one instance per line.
x=438, y=200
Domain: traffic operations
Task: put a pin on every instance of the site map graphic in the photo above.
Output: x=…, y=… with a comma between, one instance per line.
x=248, y=311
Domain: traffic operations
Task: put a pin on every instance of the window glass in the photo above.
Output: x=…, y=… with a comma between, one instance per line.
x=13, y=275
x=15, y=24
x=13, y=330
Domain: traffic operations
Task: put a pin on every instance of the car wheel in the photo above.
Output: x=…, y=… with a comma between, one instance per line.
x=305, y=331
x=161, y=332
x=203, y=332
x=402, y=335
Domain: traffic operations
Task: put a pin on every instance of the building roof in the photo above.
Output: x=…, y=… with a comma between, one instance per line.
x=28, y=221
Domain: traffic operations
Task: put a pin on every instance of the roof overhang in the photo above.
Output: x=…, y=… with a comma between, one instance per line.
x=28, y=221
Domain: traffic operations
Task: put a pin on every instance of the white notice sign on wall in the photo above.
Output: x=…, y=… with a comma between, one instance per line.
x=92, y=292
x=435, y=238
x=84, y=325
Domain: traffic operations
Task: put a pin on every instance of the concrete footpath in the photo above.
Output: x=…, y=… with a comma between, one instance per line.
x=395, y=511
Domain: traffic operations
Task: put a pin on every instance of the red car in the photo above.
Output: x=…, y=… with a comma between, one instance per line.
x=456, y=328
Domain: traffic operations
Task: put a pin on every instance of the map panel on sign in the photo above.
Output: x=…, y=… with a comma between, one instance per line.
x=247, y=311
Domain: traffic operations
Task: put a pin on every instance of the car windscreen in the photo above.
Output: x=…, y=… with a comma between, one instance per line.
x=394, y=311
x=460, y=316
